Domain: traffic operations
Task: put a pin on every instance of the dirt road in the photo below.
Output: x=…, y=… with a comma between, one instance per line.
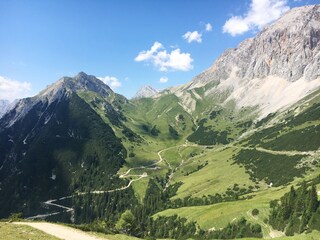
x=59, y=231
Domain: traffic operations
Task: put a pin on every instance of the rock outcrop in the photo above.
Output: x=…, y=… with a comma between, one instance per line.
x=289, y=49
x=273, y=70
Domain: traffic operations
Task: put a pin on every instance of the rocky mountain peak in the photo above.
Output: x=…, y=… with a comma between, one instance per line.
x=271, y=71
x=59, y=90
x=302, y=18
x=81, y=75
x=288, y=48
x=146, y=91
x=83, y=81
x=78, y=83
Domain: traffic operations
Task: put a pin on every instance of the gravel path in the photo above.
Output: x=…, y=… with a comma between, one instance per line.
x=59, y=231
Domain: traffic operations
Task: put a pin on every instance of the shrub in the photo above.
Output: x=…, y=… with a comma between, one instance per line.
x=255, y=212
x=15, y=217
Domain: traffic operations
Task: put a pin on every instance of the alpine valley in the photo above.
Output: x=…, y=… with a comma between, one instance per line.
x=234, y=153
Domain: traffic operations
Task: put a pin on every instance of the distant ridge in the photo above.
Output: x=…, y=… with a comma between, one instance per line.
x=145, y=92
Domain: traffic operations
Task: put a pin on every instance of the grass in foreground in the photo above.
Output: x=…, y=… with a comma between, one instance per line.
x=310, y=236
x=10, y=231
x=113, y=237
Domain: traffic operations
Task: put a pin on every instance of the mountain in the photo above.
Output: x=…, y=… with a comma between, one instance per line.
x=4, y=104
x=189, y=161
x=145, y=92
x=277, y=67
x=55, y=143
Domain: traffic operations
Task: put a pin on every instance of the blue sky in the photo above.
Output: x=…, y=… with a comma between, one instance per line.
x=126, y=43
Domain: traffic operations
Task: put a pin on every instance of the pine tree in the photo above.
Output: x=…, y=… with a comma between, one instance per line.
x=313, y=201
x=303, y=222
x=314, y=222
x=290, y=228
x=292, y=197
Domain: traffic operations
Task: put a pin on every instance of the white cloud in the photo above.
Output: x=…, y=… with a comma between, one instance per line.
x=260, y=13
x=166, y=61
x=236, y=26
x=12, y=89
x=145, y=55
x=193, y=37
x=112, y=82
x=163, y=80
x=208, y=27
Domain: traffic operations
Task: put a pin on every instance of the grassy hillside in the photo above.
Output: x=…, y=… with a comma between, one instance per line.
x=310, y=236
x=286, y=130
x=262, y=158
x=210, y=164
x=211, y=172
x=218, y=215
x=9, y=231
x=270, y=152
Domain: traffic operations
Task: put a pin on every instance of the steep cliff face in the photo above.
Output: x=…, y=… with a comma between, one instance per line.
x=272, y=70
x=289, y=49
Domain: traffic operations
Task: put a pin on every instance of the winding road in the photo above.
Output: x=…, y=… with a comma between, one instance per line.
x=153, y=166
x=51, y=202
x=68, y=209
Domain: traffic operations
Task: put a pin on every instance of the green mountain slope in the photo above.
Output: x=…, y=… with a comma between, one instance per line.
x=73, y=151
x=215, y=157
x=105, y=154
x=250, y=163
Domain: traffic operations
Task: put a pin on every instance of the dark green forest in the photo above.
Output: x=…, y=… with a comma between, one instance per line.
x=297, y=211
x=121, y=212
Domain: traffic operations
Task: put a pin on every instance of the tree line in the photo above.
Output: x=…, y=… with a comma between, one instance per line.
x=297, y=211
x=121, y=212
